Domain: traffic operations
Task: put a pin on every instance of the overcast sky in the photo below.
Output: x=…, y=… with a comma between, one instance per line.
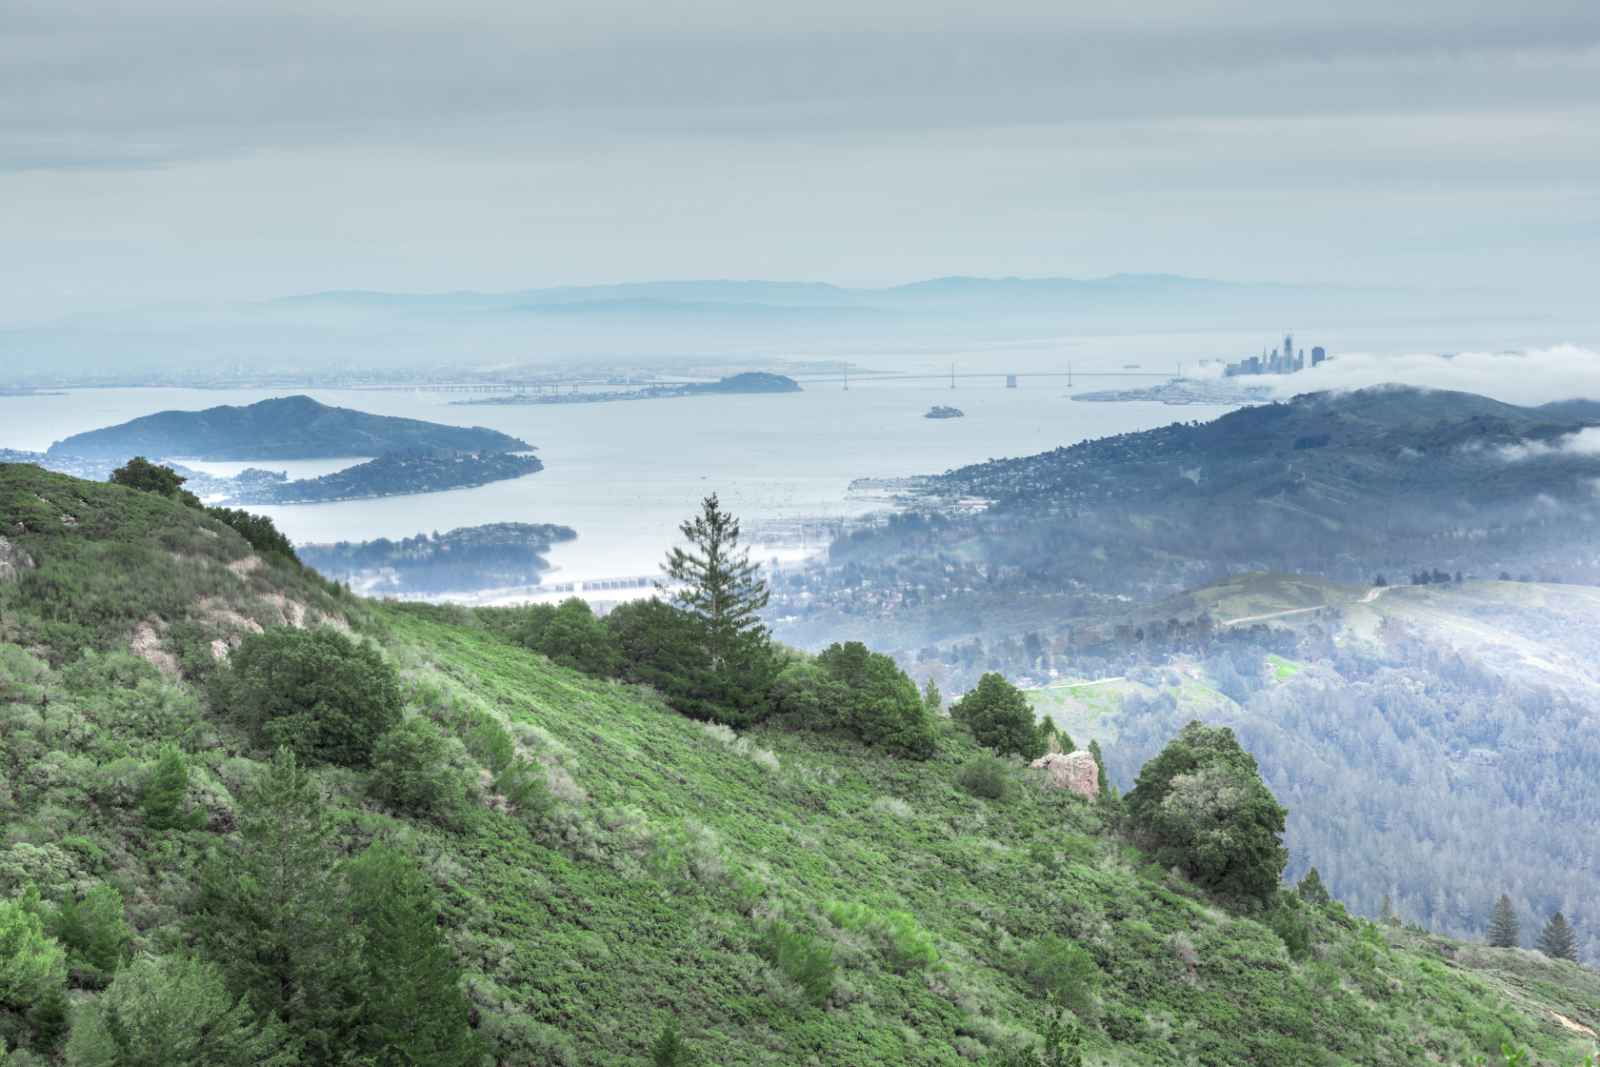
x=182, y=152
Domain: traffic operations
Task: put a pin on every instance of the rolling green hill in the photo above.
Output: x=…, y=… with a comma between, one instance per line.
x=675, y=870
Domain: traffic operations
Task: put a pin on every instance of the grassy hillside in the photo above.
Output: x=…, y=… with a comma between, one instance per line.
x=677, y=871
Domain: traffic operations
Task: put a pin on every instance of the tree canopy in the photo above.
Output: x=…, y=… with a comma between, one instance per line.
x=1201, y=806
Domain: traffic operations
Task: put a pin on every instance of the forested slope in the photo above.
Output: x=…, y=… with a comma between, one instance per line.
x=610, y=866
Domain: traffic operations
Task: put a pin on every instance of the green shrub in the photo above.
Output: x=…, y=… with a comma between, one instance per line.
x=95, y=933
x=803, y=959
x=569, y=635
x=175, y=1012
x=1000, y=717
x=1292, y=925
x=904, y=943
x=33, y=974
x=412, y=772
x=317, y=692
x=258, y=530
x=984, y=776
x=871, y=698
x=1061, y=972
x=669, y=1049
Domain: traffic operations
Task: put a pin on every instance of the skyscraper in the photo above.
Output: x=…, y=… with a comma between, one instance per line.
x=1318, y=354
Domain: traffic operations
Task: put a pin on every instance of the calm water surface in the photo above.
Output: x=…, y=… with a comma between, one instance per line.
x=625, y=474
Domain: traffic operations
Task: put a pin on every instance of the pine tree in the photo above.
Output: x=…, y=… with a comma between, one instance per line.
x=669, y=1049
x=1311, y=889
x=414, y=1010
x=271, y=913
x=164, y=792
x=721, y=593
x=1557, y=939
x=1386, y=912
x=718, y=584
x=1504, y=930
x=932, y=699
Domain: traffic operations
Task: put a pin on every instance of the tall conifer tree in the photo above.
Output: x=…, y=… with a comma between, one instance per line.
x=1557, y=939
x=1504, y=930
x=718, y=585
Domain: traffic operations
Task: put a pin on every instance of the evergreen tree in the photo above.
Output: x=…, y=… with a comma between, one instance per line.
x=1200, y=805
x=669, y=1049
x=164, y=792
x=139, y=473
x=1557, y=939
x=1001, y=718
x=175, y=1012
x=1311, y=889
x=932, y=699
x=95, y=934
x=414, y=1011
x=271, y=913
x=1386, y=912
x=1504, y=930
x=717, y=584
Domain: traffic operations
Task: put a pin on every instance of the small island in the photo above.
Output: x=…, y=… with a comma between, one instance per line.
x=469, y=559
x=391, y=474
x=747, y=382
x=944, y=411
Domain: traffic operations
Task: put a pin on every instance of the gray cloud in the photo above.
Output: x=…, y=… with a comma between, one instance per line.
x=175, y=149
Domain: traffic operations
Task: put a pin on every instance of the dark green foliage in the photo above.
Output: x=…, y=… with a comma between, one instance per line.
x=571, y=636
x=259, y=530
x=270, y=913
x=1311, y=889
x=1000, y=718
x=1504, y=930
x=139, y=473
x=669, y=1049
x=872, y=699
x=932, y=699
x=1060, y=972
x=175, y=1011
x=412, y=773
x=317, y=692
x=721, y=593
x=660, y=646
x=803, y=959
x=162, y=799
x=95, y=933
x=413, y=1009
x=984, y=776
x=1557, y=940
x=1201, y=806
x=1290, y=922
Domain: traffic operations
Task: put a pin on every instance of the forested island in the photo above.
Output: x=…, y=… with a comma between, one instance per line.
x=392, y=474
x=293, y=427
x=747, y=382
x=944, y=411
x=464, y=560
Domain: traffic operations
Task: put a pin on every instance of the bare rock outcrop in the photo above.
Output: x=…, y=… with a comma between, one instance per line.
x=1075, y=771
x=13, y=561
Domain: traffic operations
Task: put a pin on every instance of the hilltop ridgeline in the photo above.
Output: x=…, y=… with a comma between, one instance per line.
x=293, y=427
x=532, y=865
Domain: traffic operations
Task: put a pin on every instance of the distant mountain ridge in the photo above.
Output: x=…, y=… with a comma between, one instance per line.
x=293, y=427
